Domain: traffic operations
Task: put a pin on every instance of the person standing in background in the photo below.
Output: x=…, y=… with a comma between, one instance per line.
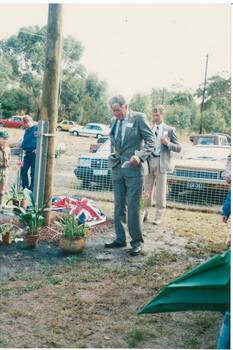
x=4, y=163
x=29, y=147
x=159, y=163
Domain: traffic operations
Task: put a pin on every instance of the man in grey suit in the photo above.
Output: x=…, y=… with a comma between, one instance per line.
x=132, y=141
x=160, y=162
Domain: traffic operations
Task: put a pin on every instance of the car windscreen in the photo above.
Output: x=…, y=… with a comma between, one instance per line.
x=205, y=141
x=207, y=153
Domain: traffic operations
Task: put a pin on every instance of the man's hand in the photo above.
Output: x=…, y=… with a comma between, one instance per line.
x=134, y=161
x=164, y=141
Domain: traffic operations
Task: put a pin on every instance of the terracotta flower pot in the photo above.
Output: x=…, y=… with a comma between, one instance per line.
x=6, y=238
x=31, y=240
x=72, y=246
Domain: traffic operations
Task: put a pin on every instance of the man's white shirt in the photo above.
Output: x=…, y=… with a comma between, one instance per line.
x=158, y=132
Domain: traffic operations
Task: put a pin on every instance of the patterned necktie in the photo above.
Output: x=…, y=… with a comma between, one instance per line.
x=156, y=131
x=118, y=136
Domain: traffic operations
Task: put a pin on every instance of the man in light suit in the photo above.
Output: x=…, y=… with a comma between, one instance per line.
x=132, y=141
x=160, y=162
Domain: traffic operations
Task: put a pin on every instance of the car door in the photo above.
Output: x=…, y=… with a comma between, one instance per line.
x=10, y=123
x=64, y=125
x=86, y=130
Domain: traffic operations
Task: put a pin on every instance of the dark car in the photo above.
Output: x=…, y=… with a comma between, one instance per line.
x=198, y=176
x=94, y=169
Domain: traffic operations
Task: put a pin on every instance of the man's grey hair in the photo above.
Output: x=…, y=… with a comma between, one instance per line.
x=117, y=100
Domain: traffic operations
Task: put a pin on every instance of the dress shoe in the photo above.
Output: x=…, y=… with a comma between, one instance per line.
x=115, y=244
x=136, y=250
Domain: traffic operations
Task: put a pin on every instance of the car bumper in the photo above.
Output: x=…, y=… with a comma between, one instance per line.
x=197, y=190
x=93, y=175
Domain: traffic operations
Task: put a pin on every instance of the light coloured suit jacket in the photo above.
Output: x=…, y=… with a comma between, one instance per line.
x=166, y=163
x=138, y=139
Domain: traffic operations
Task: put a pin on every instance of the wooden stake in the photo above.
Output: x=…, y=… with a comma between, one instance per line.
x=50, y=98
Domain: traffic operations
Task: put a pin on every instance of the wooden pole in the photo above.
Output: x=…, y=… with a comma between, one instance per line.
x=203, y=94
x=50, y=98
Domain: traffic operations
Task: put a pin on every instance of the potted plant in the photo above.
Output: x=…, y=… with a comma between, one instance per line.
x=17, y=197
x=32, y=219
x=73, y=234
x=7, y=232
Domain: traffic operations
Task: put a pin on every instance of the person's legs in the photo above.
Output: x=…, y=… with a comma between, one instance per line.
x=24, y=171
x=119, y=208
x=160, y=195
x=149, y=187
x=134, y=191
x=32, y=164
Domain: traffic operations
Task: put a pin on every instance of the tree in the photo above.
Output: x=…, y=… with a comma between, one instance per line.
x=182, y=110
x=141, y=103
x=161, y=96
x=15, y=100
x=26, y=53
x=80, y=94
x=94, y=102
x=6, y=74
x=212, y=121
x=218, y=100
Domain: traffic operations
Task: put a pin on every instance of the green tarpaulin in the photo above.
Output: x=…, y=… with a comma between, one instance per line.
x=206, y=287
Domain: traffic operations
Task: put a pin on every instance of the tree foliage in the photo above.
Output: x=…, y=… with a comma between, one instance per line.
x=141, y=103
x=217, y=102
x=82, y=96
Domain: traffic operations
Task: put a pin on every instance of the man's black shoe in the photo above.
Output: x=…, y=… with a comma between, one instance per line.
x=115, y=244
x=135, y=250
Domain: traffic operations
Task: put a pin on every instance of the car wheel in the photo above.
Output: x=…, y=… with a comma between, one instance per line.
x=21, y=127
x=59, y=128
x=98, y=136
x=75, y=133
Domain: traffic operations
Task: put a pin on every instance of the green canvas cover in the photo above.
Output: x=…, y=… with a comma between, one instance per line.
x=206, y=287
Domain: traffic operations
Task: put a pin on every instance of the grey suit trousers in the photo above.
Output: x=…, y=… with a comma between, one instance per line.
x=127, y=193
x=156, y=181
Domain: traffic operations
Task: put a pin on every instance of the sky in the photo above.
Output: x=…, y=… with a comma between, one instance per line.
x=137, y=47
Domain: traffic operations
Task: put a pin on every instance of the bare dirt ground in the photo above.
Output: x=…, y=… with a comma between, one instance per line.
x=50, y=299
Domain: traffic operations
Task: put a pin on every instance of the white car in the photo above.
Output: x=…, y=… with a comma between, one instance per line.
x=90, y=129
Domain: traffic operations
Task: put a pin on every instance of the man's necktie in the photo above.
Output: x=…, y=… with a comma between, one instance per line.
x=118, y=136
x=156, y=131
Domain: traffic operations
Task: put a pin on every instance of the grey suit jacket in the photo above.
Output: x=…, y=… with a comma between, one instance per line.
x=138, y=140
x=166, y=163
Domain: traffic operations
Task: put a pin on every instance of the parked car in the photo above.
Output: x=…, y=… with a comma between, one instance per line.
x=211, y=139
x=94, y=147
x=90, y=129
x=198, y=176
x=94, y=168
x=16, y=121
x=65, y=125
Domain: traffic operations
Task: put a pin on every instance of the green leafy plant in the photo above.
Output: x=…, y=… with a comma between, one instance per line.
x=15, y=194
x=33, y=217
x=71, y=229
